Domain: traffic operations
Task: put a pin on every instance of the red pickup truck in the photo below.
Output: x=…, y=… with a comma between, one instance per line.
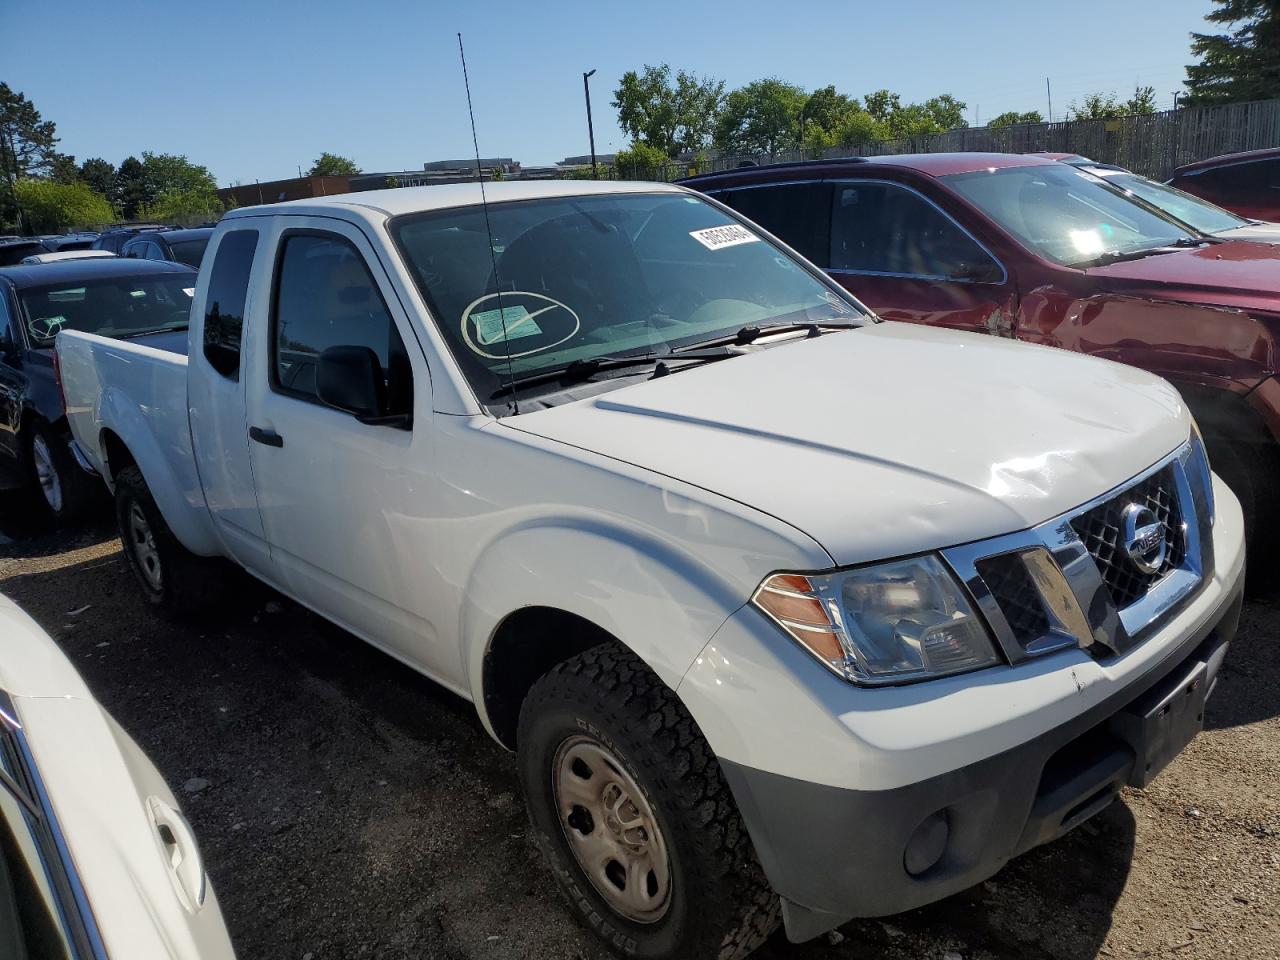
x=1026, y=247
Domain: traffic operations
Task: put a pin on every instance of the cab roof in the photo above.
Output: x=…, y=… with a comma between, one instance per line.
x=1226, y=160
x=89, y=268
x=931, y=164
x=399, y=200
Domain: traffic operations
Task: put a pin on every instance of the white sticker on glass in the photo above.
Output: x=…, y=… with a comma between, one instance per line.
x=714, y=238
x=507, y=323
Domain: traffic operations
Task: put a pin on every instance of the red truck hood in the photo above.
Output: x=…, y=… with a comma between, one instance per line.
x=1232, y=274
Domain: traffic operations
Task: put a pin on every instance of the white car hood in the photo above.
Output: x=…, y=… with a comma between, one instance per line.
x=892, y=439
x=1260, y=232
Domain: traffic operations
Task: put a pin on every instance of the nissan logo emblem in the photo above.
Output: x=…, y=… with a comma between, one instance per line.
x=1144, y=539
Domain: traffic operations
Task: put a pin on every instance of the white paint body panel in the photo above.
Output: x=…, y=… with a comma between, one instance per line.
x=653, y=510
x=99, y=783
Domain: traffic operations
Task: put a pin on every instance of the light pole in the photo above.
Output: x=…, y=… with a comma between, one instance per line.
x=1176, y=93
x=591, y=133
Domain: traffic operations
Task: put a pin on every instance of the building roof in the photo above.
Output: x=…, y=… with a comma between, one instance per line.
x=71, y=271
x=395, y=201
x=1226, y=160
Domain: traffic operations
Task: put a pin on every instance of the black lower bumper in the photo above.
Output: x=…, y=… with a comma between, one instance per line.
x=833, y=854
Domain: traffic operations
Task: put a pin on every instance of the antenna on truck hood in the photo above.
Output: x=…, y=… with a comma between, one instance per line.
x=484, y=204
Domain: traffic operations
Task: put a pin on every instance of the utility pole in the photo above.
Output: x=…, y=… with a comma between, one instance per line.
x=1176, y=94
x=591, y=133
x=1049, y=94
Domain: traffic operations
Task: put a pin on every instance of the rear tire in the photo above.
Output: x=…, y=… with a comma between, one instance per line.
x=59, y=486
x=174, y=581
x=617, y=775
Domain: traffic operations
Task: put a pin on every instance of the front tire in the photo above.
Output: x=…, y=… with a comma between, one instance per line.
x=630, y=808
x=176, y=582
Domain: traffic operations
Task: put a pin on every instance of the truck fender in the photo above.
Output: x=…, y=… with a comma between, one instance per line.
x=181, y=504
x=649, y=594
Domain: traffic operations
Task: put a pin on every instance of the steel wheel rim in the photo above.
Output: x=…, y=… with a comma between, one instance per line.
x=46, y=474
x=143, y=546
x=611, y=830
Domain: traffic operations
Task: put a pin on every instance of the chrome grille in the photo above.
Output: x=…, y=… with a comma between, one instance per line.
x=1011, y=585
x=1102, y=531
x=1070, y=582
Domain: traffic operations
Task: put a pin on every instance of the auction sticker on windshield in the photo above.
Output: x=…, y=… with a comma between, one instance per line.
x=714, y=238
x=507, y=323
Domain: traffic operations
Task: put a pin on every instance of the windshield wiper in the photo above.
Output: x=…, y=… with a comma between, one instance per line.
x=150, y=333
x=753, y=332
x=583, y=370
x=1118, y=256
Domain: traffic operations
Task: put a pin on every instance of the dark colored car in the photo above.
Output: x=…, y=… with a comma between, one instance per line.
x=14, y=251
x=179, y=246
x=114, y=239
x=109, y=296
x=1244, y=183
x=1027, y=247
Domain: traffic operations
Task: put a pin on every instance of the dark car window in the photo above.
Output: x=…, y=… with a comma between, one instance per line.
x=224, y=303
x=190, y=252
x=799, y=214
x=8, y=336
x=886, y=228
x=109, y=307
x=12, y=253
x=1242, y=184
x=326, y=297
x=131, y=249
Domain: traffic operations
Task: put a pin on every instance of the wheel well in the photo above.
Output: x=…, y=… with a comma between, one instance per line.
x=1224, y=415
x=117, y=454
x=525, y=646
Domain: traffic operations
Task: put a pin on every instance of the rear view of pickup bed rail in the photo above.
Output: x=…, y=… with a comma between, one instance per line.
x=778, y=631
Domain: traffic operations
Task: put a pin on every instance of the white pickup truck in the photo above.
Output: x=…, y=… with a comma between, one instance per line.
x=786, y=611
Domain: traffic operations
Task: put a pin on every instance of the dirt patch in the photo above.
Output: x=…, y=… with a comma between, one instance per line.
x=347, y=807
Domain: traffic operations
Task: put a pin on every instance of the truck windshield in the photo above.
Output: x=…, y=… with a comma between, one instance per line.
x=1064, y=215
x=115, y=307
x=1201, y=214
x=569, y=279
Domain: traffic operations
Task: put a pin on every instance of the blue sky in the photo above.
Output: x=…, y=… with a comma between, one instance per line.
x=253, y=90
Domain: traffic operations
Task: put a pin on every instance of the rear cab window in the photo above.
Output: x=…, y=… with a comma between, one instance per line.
x=225, y=300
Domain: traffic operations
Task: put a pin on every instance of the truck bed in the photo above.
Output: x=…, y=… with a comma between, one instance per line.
x=128, y=399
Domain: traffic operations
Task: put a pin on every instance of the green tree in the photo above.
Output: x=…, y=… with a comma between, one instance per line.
x=52, y=207
x=859, y=128
x=824, y=113
x=332, y=165
x=1012, y=118
x=881, y=104
x=100, y=175
x=762, y=117
x=640, y=162
x=63, y=168
x=1242, y=63
x=131, y=187
x=183, y=206
x=28, y=144
x=1107, y=106
x=936, y=115
x=675, y=115
x=168, y=172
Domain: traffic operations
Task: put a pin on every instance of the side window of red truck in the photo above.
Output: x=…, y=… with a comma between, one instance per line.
x=882, y=228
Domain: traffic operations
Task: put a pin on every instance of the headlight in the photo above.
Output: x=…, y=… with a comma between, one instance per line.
x=888, y=623
x=1200, y=477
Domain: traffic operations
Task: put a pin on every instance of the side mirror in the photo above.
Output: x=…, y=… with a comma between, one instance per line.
x=349, y=378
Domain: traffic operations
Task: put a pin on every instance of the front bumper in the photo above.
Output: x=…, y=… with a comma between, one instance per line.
x=835, y=853
x=868, y=802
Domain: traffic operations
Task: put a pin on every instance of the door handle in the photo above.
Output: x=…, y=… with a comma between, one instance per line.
x=182, y=856
x=269, y=437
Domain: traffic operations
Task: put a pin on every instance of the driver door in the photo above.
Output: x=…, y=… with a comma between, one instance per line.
x=341, y=500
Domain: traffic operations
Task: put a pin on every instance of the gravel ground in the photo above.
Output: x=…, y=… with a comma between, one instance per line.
x=347, y=807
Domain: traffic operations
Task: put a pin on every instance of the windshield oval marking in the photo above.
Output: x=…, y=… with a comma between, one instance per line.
x=529, y=315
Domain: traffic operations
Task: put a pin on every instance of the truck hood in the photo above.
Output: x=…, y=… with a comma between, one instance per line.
x=1234, y=274
x=891, y=439
x=1259, y=232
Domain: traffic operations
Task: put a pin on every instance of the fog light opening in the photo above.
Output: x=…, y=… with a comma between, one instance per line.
x=927, y=844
